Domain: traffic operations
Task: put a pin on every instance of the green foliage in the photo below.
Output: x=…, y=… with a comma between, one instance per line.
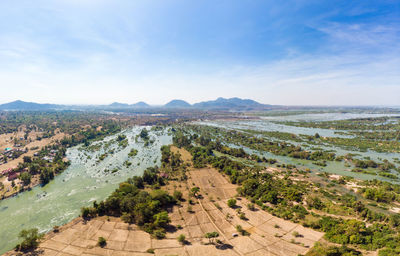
x=211, y=236
x=31, y=239
x=251, y=207
x=232, y=202
x=161, y=219
x=25, y=177
x=324, y=250
x=46, y=175
x=144, y=134
x=181, y=238
x=134, y=205
x=159, y=233
x=194, y=191
x=133, y=152
x=242, y=231
x=101, y=241
x=177, y=195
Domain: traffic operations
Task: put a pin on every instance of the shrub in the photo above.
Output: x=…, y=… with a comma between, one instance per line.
x=211, y=236
x=241, y=230
x=161, y=219
x=177, y=195
x=101, y=241
x=195, y=191
x=159, y=233
x=242, y=216
x=232, y=202
x=181, y=238
x=31, y=239
x=296, y=234
x=251, y=206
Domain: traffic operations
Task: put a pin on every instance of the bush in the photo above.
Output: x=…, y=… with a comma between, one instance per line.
x=241, y=230
x=25, y=177
x=159, y=233
x=296, y=234
x=211, y=236
x=251, y=206
x=88, y=212
x=101, y=241
x=31, y=239
x=161, y=219
x=177, y=195
x=181, y=238
x=232, y=202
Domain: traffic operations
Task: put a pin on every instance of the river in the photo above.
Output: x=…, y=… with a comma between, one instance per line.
x=82, y=183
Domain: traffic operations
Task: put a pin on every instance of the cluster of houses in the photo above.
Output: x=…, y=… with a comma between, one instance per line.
x=50, y=156
x=11, y=153
x=13, y=173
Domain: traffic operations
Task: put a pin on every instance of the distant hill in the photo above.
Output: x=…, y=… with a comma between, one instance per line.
x=140, y=104
x=22, y=105
x=177, y=104
x=118, y=105
x=232, y=103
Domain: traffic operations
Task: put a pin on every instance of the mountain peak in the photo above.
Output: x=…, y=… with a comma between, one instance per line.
x=177, y=104
x=230, y=103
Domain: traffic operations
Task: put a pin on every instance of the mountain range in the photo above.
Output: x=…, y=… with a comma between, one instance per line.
x=218, y=104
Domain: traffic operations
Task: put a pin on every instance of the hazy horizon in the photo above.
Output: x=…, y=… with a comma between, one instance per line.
x=191, y=103
x=295, y=53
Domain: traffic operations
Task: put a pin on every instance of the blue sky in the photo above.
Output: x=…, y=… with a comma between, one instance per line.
x=277, y=52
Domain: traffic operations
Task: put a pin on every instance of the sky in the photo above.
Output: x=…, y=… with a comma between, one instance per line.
x=293, y=52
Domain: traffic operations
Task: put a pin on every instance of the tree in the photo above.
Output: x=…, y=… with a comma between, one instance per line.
x=161, y=219
x=177, y=195
x=181, y=238
x=27, y=159
x=195, y=190
x=211, y=236
x=101, y=241
x=25, y=177
x=232, y=202
x=31, y=239
x=45, y=176
x=144, y=134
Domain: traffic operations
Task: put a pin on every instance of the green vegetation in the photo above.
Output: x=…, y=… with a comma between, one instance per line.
x=366, y=133
x=242, y=231
x=181, y=238
x=232, y=203
x=31, y=239
x=25, y=177
x=296, y=199
x=133, y=152
x=134, y=205
x=211, y=236
x=324, y=250
x=101, y=241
